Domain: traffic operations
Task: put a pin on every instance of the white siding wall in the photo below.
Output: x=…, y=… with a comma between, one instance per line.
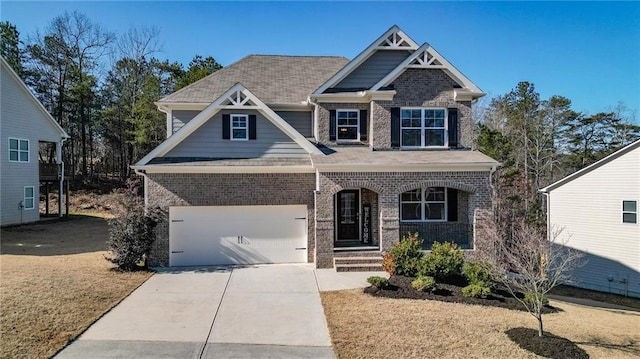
x=590, y=209
x=20, y=117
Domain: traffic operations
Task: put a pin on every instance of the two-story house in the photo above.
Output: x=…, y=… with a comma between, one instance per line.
x=317, y=159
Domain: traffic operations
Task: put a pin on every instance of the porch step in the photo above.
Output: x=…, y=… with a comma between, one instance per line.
x=358, y=264
x=357, y=253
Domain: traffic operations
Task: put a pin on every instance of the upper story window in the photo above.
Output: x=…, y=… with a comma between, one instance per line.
x=629, y=211
x=348, y=123
x=18, y=150
x=239, y=127
x=424, y=204
x=423, y=127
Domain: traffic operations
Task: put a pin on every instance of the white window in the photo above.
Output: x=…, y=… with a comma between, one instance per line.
x=348, y=123
x=423, y=127
x=629, y=211
x=29, y=198
x=18, y=150
x=239, y=127
x=424, y=204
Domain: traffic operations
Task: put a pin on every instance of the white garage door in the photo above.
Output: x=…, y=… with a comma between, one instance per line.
x=237, y=235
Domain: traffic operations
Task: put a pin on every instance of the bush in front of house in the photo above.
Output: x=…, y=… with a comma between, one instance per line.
x=378, y=281
x=443, y=263
x=479, y=275
x=476, y=290
x=530, y=298
x=131, y=232
x=424, y=284
x=405, y=256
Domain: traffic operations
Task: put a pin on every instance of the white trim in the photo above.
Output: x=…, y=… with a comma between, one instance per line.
x=423, y=128
x=223, y=169
x=214, y=108
x=451, y=70
x=364, y=55
x=24, y=198
x=413, y=167
x=18, y=150
x=245, y=127
x=354, y=97
x=39, y=105
x=357, y=126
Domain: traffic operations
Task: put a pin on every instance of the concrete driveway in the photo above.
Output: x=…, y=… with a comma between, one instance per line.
x=266, y=311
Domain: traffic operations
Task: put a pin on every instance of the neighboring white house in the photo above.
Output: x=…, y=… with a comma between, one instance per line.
x=598, y=207
x=24, y=123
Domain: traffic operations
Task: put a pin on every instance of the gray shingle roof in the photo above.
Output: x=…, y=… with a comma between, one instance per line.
x=272, y=78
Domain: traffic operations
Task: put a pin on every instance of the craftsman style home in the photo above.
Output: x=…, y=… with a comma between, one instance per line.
x=317, y=159
x=25, y=128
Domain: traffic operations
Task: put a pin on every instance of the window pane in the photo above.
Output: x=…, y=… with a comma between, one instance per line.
x=24, y=156
x=411, y=211
x=434, y=118
x=28, y=192
x=347, y=133
x=435, y=194
x=434, y=211
x=28, y=203
x=13, y=144
x=412, y=196
x=13, y=155
x=629, y=206
x=240, y=133
x=24, y=145
x=411, y=138
x=239, y=121
x=411, y=118
x=629, y=218
x=434, y=137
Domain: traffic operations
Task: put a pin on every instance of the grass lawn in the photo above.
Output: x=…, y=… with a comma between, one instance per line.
x=54, y=283
x=363, y=326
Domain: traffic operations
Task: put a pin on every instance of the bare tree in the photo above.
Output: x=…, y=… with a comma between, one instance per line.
x=529, y=264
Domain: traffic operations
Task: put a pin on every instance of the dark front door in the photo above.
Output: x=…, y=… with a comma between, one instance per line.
x=348, y=216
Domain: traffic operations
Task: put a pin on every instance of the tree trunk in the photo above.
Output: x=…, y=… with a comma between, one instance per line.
x=540, y=331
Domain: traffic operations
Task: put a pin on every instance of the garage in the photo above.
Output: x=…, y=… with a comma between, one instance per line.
x=221, y=235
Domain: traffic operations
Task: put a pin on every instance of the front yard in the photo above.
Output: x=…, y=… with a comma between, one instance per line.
x=363, y=326
x=55, y=283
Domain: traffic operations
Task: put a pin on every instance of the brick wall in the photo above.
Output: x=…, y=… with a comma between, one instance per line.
x=323, y=117
x=180, y=189
x=388, y=186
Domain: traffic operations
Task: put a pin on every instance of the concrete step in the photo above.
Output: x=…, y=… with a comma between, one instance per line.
x=360, y=267
x=361, y=253
x=357, y=260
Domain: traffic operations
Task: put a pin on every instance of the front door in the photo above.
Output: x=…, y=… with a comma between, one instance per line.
x=348, y=216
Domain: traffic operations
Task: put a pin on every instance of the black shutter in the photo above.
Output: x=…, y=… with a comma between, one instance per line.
x=453, y=127
x=363, y=125
x=395, y=127
x=452, y=205
x=226, y=127
x=332, y=125
x=252, y=127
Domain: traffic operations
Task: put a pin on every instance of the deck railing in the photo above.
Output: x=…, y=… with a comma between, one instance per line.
x=458, y=233
x=49, y=171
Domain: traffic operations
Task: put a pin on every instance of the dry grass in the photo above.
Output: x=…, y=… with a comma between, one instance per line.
x=55, y=282
x=362, y=326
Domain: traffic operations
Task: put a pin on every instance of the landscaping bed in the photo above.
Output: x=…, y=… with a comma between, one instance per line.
x=399, y=287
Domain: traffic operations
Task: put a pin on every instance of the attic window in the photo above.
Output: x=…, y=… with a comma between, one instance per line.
x=239, y=127
x=629, y=211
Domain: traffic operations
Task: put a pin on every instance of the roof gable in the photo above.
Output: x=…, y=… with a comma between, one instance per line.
x=392, y=39
x=31, y=96
x=237, y=97
x=593, y=166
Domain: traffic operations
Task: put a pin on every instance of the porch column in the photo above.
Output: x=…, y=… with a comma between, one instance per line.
x=60, y=177
x=389, y=221
x=324, y=229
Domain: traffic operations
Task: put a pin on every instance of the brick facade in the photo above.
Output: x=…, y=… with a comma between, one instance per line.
x=475, y=188
x=323, y=118
x=194, y=189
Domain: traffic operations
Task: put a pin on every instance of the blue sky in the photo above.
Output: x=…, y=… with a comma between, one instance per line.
x=586, y=51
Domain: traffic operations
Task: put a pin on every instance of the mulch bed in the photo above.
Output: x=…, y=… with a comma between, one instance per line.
x=400, y=287
x=548, y=346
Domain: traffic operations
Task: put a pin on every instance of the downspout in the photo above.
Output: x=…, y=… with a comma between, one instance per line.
x=61, y=181
x=143, y=173
x=315, y=117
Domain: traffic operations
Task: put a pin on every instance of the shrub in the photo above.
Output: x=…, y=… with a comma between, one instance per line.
x=476, y=290
x=477, y=271
x=405, y=256
x=530, y=297
x=131, y=232
x=443, y=263
x=424, y=284
x=377, y=281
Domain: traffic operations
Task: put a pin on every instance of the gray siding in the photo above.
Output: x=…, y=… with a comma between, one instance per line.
x=373, y=69
x=207, y=141
x=20, y=117
x=180, y=118
x=300, y=120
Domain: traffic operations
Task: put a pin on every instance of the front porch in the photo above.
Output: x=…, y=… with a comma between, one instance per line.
x=452, y=232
